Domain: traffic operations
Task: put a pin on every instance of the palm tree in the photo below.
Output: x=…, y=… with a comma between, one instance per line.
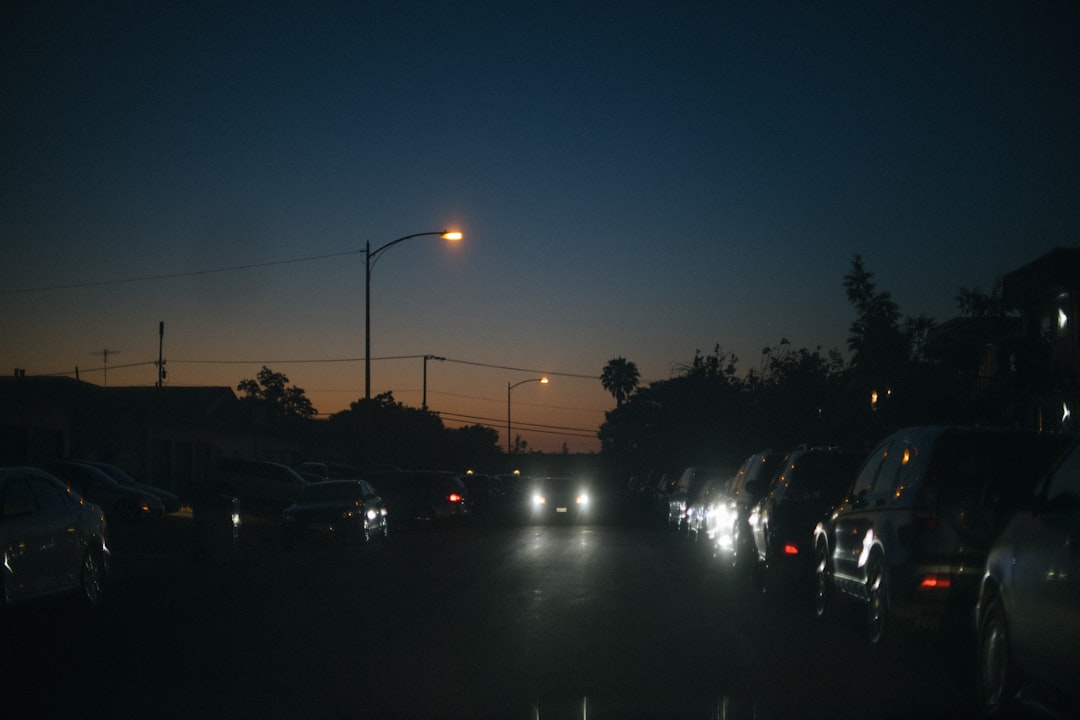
x=620, y=378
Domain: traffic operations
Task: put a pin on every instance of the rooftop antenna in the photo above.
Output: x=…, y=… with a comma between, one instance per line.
x=105, y=363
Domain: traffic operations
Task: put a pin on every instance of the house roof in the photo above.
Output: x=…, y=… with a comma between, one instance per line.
x=1047, y=277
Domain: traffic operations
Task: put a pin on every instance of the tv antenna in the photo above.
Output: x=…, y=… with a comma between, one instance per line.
x=105, y=353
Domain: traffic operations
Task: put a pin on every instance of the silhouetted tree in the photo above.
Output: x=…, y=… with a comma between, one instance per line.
x=799, y=399
x=273, y=390
x=384, y=431
x=877, y=343
x=620, y=378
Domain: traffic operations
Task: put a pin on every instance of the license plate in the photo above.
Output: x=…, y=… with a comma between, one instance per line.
x=560, y=509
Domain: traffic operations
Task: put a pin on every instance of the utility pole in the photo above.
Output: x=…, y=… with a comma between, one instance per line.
x=423, y=405
x=160, y=358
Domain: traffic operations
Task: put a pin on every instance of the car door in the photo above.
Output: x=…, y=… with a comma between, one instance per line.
x=60, y=515
x=1046, y=579
x=25, y=557
x=35, y=536
x=854, y=519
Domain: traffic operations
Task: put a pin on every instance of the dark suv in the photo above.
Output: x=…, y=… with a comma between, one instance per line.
x=811, y=480
x=421, y=497
x=911, y=538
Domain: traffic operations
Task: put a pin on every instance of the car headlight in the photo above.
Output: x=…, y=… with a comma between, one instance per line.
x=371, y=514
x=583, y=499
x=538, y=499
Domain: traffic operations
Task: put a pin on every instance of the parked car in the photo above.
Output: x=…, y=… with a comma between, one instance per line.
x=731, y=514
x=51, y=539
x=686, y=490
x=910, y=540
x=560, y=498
x=260, y=486
x=423, y=497
x=350, y=509
x=810, y=481
x=659, y=502
x=170, y=500
x=118, y=501
x=488, y=497
x=1028, y=614
x=699, y=514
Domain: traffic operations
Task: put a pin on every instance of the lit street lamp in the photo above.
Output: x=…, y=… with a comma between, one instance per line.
x=369, y=257
x=509, y=387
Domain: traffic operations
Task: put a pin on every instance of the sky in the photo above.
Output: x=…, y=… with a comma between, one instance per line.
x=633, y=179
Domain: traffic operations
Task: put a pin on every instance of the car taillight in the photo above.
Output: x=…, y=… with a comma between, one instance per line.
x=791, y=549
x=933, y=582
x=454, y=497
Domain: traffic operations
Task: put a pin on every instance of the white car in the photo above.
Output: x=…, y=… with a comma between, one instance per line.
x=51, y=539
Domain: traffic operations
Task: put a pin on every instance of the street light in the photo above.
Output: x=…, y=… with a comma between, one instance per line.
x=369, y=256
x=509, y=387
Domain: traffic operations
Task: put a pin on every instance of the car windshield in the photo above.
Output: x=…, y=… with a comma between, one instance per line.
x=626, y=257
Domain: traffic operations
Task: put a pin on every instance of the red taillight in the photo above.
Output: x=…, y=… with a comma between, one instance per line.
x=454, y=497
x=931, y=582
x=791, y=549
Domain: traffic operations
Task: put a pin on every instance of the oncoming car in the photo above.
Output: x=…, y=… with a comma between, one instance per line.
x=557, y=498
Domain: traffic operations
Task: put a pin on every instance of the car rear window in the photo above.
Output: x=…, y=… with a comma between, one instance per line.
x=321, y=492
x=999, y=469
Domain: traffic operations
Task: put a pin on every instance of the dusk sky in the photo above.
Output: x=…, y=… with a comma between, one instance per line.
x=632, y=179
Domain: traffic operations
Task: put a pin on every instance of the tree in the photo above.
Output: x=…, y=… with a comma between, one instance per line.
x=620, y=378
x=877, y=342
x=273, y=390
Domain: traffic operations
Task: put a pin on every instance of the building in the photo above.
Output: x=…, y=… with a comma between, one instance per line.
x=1046, y=292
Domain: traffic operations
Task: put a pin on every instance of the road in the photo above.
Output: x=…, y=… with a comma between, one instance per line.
x=509, y=621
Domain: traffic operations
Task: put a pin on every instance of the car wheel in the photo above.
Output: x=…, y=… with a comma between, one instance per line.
x=822, y=588
x=877, y=594
x=92, y=581
x=997, y=680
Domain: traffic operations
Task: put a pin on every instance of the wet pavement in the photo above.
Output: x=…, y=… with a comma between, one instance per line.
x=480, y=621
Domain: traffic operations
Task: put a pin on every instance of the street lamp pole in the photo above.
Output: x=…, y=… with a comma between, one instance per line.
x=509, y=387
x=370, y=256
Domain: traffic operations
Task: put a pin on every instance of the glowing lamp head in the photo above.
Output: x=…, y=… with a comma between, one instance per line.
x=451, y=235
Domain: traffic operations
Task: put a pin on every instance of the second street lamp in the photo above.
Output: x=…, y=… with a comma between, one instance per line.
x=509, y=387
x=369, y=257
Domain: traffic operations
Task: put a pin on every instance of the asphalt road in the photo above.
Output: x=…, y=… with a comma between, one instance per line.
x=509, y=621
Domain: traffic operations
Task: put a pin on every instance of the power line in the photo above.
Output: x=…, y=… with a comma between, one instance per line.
x=516, y=424
x=516, y=369
x=388, y=357
x=586, y=435
x=168, y=276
